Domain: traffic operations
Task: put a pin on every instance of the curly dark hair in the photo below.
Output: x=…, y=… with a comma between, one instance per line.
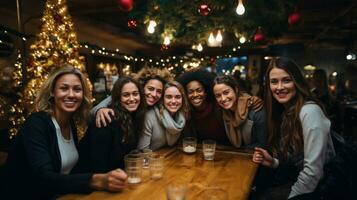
x=146, y=74
x=130, y=122
x=202, y=76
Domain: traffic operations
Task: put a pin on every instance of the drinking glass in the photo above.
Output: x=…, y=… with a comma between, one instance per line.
x=133, y=167
x=156, y=166
x=209, y=148
x=189, y=144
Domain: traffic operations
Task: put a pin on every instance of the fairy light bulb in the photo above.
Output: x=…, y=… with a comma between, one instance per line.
x=242, y=40
x=166, y=40
x=199, y=47
x=211, y=38
x=151, y=26
x=240, y=8
x=219, y=37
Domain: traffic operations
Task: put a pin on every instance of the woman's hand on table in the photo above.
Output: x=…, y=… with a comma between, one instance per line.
x=113, y=181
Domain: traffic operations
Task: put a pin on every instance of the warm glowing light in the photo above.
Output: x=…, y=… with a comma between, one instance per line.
x=240, y=8
x=151, y=26
x=219, y=37
x=211, y=38
x=242, y=40
x=199, y=47
x=167, y=40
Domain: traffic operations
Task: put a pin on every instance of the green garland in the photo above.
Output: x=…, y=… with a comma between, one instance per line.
x=189, y=26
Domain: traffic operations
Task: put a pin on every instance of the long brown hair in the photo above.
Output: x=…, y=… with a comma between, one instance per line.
x=130, y=123
x=45, y=102
x=283, y=124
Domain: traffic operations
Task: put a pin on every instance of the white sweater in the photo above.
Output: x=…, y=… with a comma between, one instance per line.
x=318, y=148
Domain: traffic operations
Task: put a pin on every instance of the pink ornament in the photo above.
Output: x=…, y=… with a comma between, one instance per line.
x=294, y=18
x=126, y=5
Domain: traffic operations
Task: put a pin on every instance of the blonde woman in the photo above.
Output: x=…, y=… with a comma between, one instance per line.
x=42, y=160
x=164, y=123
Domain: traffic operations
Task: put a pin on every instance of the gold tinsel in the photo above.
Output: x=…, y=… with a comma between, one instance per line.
x=55, y=45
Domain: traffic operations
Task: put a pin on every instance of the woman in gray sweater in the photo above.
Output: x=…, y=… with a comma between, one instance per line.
x=164, y=123
x=298, y=133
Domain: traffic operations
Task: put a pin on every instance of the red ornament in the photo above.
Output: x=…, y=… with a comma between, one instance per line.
x=164, y=47
x=259, y=35
x=294, y=18
x=204, y=9
x=132, y=23
x=126, y=5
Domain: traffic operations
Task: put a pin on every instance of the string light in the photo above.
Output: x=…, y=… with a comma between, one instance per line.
x=240, y=10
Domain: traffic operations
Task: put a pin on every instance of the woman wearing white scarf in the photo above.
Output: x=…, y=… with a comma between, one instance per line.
x=163, y=124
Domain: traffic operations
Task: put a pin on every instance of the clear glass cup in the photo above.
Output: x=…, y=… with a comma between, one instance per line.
x=176, y=191
x=208, y=148
x=156, y=166
x=189, y=144
x=133, y=167
x=146, y=153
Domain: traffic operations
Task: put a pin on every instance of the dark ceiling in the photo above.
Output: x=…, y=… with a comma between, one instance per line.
x=329, y=24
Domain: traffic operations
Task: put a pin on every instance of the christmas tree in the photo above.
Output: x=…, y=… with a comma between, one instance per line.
x=56, y=44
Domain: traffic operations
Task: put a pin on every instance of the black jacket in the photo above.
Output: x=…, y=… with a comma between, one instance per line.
x=33, y=167
x=102, y=149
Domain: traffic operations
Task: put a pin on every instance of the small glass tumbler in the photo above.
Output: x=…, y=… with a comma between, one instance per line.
x=133, y=167
x=146, y=153
x=189, y=144
x=176, y=191
x=208, y=148
x=156, y=166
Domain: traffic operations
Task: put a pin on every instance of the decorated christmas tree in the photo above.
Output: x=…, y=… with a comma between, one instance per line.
x=56, y=44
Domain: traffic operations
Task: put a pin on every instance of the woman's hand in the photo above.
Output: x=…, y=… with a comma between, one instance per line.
x=261, y=156
x=113, y=181
x=103, y=116
x=256, y=103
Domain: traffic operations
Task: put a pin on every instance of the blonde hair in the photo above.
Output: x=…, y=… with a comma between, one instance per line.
x=185, y=109
x=45, y=101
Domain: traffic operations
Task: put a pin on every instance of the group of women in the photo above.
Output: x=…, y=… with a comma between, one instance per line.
x=291, y=132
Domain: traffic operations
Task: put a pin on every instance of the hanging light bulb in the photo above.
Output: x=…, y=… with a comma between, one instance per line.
x=167, y=40
x=199, y=47
x=151, y=26
x=240, y=8
x=211, y=38
x=219, y=37
x=242, y=40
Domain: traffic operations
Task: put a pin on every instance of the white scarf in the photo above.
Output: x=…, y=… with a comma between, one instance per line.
x=173, y=126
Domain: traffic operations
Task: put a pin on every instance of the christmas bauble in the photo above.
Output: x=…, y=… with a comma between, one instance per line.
x=204, y=9
x=294, y=18
x=132, y=23
x=259, y=35
x=126, y=5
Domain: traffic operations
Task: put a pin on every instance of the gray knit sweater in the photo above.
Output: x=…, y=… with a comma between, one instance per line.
x=318, y=148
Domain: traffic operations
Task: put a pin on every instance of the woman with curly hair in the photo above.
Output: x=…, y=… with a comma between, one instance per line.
x=205, y=120
x=164, y=123
x=244, y=122
x=103, y=149
x=41, y=163
x=298, y=133
x=152, y=80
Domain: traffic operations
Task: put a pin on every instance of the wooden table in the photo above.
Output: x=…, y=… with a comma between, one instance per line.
x=230, y=174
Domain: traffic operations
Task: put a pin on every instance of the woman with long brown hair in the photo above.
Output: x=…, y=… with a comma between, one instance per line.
x=298, y=133
x=104, y=148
